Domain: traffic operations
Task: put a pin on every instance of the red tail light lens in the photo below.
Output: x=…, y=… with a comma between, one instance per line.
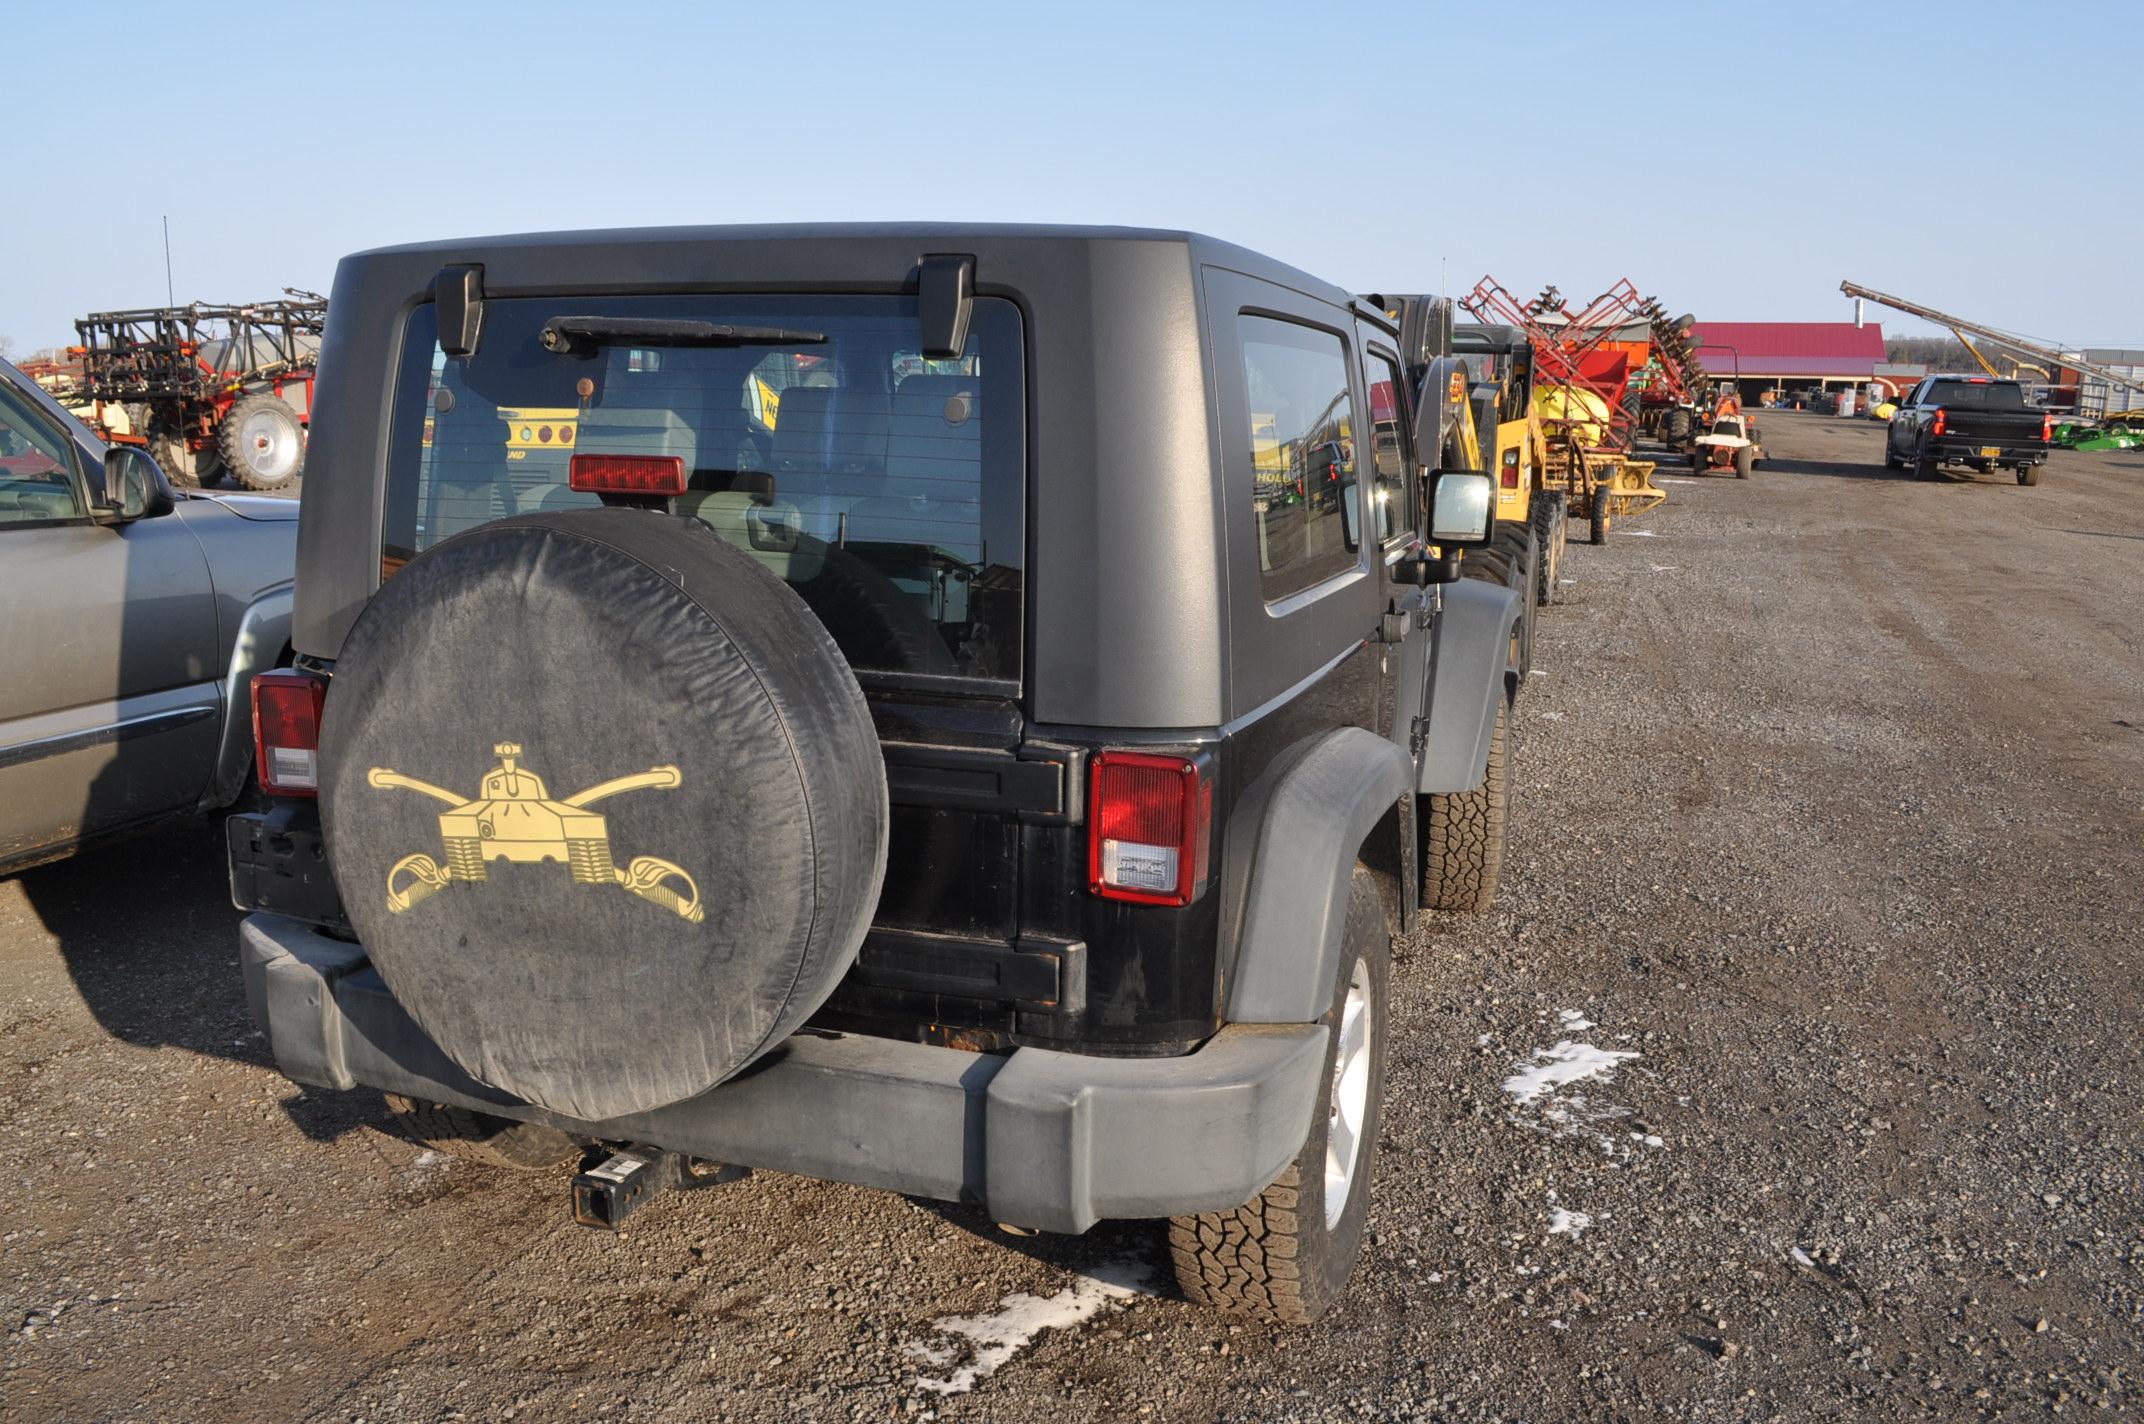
x=1510, y=476
x=1149, y=828
x=2047, y=428
x=286, y=731
x=627, y=474
x=1937, y=428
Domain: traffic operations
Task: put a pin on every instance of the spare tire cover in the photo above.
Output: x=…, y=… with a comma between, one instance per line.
x=604, y=803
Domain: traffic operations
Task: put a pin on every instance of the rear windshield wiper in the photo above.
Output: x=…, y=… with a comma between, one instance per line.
x=570, y=333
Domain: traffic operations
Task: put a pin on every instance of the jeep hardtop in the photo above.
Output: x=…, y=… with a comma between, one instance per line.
x=962, y=710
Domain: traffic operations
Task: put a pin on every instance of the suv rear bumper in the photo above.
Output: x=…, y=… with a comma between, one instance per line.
x=1038, y=1138
x=1967, y=450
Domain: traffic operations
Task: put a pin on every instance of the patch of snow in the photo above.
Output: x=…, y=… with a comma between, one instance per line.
x=1573, y=1021
x=1567, y=1223
x=1642, y=533
x=1665, y=568
x=994, y=1338
x=1801, y=1257
x=1565, y=1062
x=1670, y=480
x=428, y=1158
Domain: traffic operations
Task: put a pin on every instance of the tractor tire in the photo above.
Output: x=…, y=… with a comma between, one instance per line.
x=1463, y=833
x=173, y=458
x=1551, y=531
x=1699, y=458
x=1745, y=461
x=1597, y=518
x=1286, y=1255
x=1678, y=428
x=2028, y=474
x=480, y=1137
x=262, y=442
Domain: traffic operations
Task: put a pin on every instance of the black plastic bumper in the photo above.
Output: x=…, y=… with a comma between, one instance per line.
x=1964, y=450
x=1050, y=1140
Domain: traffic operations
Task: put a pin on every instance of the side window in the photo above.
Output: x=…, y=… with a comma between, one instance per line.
x=1392, y=494
x=1302, y=437
x=36, y=470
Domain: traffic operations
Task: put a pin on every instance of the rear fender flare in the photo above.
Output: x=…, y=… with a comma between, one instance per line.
x=1470, y=669
x=263, y=634
x=1305, y=825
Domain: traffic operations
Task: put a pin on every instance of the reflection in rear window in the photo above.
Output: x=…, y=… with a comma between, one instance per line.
x=886, y=488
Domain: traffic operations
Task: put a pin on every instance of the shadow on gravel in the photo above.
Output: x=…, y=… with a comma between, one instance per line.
x=1837, y=469
x=148, y=933
x=146, y=927
x=1105, y=1248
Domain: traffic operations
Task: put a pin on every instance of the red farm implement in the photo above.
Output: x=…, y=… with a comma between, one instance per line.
x=212, y=391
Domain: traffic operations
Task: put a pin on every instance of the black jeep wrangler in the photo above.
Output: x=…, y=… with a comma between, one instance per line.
x=962, y=710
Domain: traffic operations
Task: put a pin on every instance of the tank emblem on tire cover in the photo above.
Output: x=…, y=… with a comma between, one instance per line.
x=513, y=818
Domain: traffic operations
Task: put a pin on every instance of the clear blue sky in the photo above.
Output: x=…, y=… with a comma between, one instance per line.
x=1736, y=159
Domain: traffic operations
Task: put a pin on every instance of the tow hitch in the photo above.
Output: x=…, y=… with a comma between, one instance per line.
x=606, y=1194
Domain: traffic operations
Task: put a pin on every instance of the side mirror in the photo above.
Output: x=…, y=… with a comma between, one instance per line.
x=134, y=488
x=1462, y=509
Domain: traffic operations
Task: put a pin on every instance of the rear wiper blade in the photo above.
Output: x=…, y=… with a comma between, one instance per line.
x=568, y=333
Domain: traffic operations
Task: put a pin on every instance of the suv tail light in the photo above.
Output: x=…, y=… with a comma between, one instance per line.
x=1149, y=828
x=627, y=474
x=2047, y=428
x=286, y=731
x=1937, y=428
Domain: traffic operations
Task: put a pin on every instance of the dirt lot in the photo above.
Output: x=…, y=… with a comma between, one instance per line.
x=1830, y=822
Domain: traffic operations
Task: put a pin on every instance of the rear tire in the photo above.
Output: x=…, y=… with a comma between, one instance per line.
x=174, y=459
x=1924, y=463
x=1597, y=517
x=481, y=1137
x=2028, y=474
x=1745, y=461
x=1286, y=1255
x=262, y=442
x=1463, y=834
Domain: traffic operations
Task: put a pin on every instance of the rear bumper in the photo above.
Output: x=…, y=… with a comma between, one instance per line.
x=1966, y=450
x=1043, y=1139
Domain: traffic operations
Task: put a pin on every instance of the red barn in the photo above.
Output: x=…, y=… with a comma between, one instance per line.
x=1785, y=356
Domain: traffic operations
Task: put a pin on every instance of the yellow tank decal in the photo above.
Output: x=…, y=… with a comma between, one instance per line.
x=515, y=819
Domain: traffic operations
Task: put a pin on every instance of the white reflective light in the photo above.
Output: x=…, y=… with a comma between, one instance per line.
x=294, y=766
x=1129, y=865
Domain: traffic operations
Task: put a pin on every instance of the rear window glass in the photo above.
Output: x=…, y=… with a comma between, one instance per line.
x=886, y=488
x=1977, y=395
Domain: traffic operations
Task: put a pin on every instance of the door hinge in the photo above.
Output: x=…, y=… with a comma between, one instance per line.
x=1418, y=737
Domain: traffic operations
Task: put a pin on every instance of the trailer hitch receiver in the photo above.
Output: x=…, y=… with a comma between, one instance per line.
x=605, y=1194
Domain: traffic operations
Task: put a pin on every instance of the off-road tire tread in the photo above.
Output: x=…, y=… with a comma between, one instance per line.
x=1547, y=522
x=480, y=1137
x=1463, y=835
x=1253, y=1259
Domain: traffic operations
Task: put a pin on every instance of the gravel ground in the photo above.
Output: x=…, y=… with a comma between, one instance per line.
x=1814, y=984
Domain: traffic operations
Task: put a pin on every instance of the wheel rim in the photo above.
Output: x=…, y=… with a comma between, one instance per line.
x=269, y=445
x=1351, y=1095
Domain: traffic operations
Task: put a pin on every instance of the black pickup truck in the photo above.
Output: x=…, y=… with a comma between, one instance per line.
x=1969, y=420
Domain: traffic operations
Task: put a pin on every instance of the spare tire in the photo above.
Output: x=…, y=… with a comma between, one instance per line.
x=604, y=803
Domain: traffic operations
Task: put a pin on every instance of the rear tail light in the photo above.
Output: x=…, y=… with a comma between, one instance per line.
x=1510, y=476
x=286, y=731
x=1149, y=828
x=2047, y=428
x=1937, y=428
x=627, y=474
